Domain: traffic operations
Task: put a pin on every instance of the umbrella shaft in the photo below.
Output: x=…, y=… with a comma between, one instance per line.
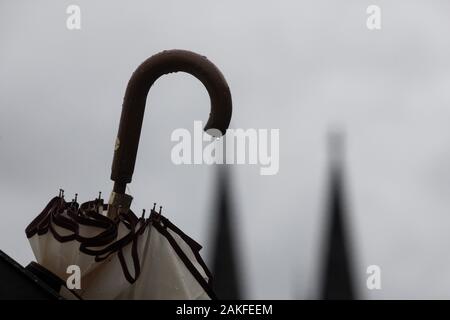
x=119, y=187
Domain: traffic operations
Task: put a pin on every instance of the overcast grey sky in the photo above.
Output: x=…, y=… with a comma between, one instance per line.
x=300, y=66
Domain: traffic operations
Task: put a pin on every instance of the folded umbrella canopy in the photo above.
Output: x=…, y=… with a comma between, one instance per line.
x=120, y=255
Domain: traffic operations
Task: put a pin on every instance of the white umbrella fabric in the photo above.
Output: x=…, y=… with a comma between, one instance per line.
x=135, y=258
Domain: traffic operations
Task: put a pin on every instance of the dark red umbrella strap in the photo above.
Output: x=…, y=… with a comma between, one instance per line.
x=136, y=263
x=195, y=246
x=90, y=247
x=65, y=222
x=102, y=239
x=187, y=262
x=33, y=227
x=136, y=95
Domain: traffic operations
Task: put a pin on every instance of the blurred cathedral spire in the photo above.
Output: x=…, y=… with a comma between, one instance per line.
x=226, y=280
x=337, y=273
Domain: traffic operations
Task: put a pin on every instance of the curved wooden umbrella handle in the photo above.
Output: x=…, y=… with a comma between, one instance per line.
x=136, y=95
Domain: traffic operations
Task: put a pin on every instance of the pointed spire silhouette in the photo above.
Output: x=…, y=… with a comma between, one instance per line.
x=226, y=281
x=337, y=276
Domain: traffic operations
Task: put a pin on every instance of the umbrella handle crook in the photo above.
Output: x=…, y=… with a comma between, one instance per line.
x=136, y=95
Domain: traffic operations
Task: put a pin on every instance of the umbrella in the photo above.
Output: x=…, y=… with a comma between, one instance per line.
x=118, y=254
